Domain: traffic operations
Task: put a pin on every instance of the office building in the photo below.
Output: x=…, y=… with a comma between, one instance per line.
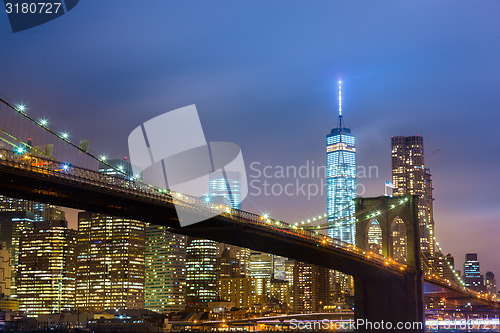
x=46, y=271
x=472, y=276
x=13, y=224
x=5, y=270
x=289, y=265
x=41, y=211
x=341, y=180
x=225, y=188
x=8, y=204
x=280, y=292
x=490, y=284
x=18, y=216
x=244, y=292
x=228, y=265
x=110, y=263
x=410, y=177
x=261, y=265
x=165, y=289
x=279, y=267
x=201, y=271
x=310, y=288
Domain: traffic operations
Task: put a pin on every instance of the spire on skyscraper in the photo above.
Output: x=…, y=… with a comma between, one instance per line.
x=341, y=179
x=340, y=103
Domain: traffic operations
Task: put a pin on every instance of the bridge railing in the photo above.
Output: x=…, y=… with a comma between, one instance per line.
x=50, y=168
x=43, y=166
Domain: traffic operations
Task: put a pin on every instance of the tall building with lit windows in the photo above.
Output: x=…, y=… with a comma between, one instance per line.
x=491, y=284
x=201, y=271
x=13, y=224
x=410, y=177
x=165, y=270
x=244, y=292
x=261, y=265
x=18, y=216
x=41, y=211
x=5, y=271
x=225, y=187
x=341, y=180
x=472, y=275
x=310, y=288
x=46, y=270
x=110, y=263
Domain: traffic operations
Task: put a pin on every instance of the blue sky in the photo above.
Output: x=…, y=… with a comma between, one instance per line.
x=263, y=75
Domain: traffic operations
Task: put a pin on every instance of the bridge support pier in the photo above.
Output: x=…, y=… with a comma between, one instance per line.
x=391, y=299
x=383, y=301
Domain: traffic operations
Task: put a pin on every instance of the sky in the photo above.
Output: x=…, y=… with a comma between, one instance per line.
x=263, y=74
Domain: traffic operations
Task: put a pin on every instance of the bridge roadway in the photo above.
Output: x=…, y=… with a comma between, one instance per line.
x=392, y=283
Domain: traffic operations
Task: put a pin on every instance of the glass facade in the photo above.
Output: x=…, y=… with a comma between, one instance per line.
x=225, y=188
x=410, y=177
x=46, y=270
x=341, y=184
x=201, y=275
x=165, y=270
x=110, y=263
x=472, y=276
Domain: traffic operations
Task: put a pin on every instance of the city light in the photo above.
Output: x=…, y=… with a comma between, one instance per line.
x=43, y=122
x=21, y=107
x=65, y=135
x=103, y=158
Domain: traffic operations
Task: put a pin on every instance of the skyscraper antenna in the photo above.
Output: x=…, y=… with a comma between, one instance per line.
x=340, y=103
x=340, y=98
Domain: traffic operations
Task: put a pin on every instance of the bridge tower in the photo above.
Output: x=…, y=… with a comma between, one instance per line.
x=402, y=296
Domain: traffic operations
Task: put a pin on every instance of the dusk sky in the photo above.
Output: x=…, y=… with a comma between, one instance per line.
x=263, y=74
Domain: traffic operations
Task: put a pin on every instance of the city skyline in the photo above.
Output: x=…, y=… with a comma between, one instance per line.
x=428, y=85
x=238, y=228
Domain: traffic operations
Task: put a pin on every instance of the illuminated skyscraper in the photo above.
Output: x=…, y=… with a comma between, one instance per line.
x=410, y=177
x=165, y=270
x=261, y=265
x=490, y=284
x=341, y=180
x=201, y=271
x=5, y=270
x=41, y=211
x=279, y=267
x=13, y=224
x=310, y=288
x=472, y=276
x=110, y=263
x=225, y=187
x=228, y=266
x=244, y=292
x=46, y=273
